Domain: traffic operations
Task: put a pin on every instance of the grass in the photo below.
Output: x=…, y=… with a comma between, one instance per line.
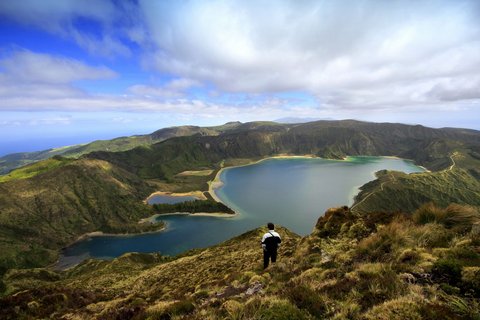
x=37, y=168
x=460, y=217
x=402, y=268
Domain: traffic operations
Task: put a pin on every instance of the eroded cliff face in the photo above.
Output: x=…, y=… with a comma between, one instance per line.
x=370, y=266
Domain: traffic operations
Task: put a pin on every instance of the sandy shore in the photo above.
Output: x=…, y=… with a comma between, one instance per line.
x=197, y=194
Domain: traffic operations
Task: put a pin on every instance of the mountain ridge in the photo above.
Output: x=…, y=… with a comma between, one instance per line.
x=15, y=160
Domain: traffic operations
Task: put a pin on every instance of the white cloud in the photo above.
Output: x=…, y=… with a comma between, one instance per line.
x=355, y=51
x=352, y=56
x=173, y=89
x=30, y=81
x=29, y=67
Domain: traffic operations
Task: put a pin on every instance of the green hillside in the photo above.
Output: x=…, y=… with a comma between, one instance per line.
x=15, y=160
x=371, y=266
x=49, y=210
x=32, y=170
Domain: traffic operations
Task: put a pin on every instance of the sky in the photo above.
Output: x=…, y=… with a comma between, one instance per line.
x=75, y=71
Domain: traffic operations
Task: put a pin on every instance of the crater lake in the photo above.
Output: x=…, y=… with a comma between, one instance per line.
x=292, y=192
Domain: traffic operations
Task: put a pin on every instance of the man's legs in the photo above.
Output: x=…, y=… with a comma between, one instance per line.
x=273, y=254
x=266, y=258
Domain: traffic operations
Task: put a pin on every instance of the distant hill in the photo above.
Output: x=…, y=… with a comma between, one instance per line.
x=16, y=160
x=299, y=120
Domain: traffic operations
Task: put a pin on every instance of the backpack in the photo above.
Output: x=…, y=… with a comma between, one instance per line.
x=271, y=243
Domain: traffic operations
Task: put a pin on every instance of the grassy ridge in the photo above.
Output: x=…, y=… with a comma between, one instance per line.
x=35, y=169
x=372, y=266
x=43, y=213
x=15, y=160
x=397, y=191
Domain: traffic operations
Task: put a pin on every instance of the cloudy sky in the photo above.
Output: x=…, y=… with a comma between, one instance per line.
x=73, y=71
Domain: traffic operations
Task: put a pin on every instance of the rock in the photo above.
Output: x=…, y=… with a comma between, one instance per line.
x=254, y=288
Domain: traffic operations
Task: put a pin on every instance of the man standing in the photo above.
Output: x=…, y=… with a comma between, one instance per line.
x=270, y=242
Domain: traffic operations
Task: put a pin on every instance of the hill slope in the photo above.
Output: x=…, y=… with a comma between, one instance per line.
x=374, y=266
x=43, y=213
x=15, y=160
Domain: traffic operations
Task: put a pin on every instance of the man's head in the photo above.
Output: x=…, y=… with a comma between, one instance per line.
x=270, y=226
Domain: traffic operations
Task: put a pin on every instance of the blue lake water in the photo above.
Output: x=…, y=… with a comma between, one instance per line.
x=156, y=199
x=292, y=192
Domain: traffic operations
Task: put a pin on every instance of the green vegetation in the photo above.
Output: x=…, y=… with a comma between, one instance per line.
x=43, y=213
x=35, y=169
x=47, y=205
x=196, y=206
x=12, y=161
x=369, y=266
x=397, y=191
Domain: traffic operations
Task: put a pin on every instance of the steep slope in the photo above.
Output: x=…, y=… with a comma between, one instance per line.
x=41, y=214
x=374, y=266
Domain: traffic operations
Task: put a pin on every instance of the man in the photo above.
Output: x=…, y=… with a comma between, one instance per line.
x=270, y=242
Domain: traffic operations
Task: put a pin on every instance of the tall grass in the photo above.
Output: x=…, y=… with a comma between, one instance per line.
x=386, y=242
x=461, y=218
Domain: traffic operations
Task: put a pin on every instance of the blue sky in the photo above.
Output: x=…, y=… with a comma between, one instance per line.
x=74, y=71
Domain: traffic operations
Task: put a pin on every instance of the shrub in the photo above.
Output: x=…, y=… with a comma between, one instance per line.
x=461, y=218
x=382, y=246
x=427, y=213
x=3, y=288
x=432, y=235
x=304, y=297
x=234, y=309
x=182, y=307
x=282, y=310
x=377, y=282
x=471, y=279
x=167, y=311
x=447, y=270
x=462, y=308
x=455, y=216
x=396, y=309
x=358, y=230
x=409, y=256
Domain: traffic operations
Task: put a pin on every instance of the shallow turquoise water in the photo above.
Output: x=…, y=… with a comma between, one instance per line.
x=291, y=192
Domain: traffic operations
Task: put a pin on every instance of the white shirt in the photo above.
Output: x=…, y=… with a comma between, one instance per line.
x=270, y=233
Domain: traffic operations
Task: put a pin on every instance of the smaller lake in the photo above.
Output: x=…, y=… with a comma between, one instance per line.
x=292, y=192
x=158, y=199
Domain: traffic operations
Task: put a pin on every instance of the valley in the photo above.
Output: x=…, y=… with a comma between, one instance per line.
x=47, y=205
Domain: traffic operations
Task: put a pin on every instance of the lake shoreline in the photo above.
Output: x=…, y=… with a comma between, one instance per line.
x=153, y=218
x=197, y=194
x=217, y=183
